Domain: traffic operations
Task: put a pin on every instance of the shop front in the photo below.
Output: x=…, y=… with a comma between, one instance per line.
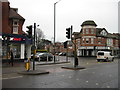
x=18, y=44
x=91, y=50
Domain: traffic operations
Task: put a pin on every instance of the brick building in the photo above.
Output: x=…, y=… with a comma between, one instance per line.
x=91, y=39
x=59, y=48
x=12, y=34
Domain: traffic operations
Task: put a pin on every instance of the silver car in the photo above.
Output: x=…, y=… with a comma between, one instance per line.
x=43, y=57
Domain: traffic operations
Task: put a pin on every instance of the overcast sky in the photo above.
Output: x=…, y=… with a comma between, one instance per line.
x=68, y=12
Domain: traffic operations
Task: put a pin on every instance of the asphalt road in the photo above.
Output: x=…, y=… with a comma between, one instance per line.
x=95, y=75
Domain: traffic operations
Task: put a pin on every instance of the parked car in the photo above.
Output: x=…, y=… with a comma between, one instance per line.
x=62, y=54
x=43, y=57
x=104, y=56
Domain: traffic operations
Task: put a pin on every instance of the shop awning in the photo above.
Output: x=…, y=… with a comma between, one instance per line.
x=15, y=35
x=24, y=39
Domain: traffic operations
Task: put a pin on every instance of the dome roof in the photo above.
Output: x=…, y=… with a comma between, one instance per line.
x=89, y=22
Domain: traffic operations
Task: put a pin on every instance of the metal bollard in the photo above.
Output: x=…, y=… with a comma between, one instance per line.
x=27, y=64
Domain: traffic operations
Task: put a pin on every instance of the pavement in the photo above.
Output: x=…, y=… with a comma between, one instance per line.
x=73, y=68
x=19, y=67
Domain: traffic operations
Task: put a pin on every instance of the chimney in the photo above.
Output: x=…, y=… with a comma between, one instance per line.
x=5, y=16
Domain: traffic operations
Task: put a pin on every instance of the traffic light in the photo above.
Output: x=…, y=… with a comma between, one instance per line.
x=68, y=32
x=29, y=31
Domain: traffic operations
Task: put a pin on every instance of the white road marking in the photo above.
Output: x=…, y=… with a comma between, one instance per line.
x=12, y=77
x=97, y=84
x=83, y=69
x=86, y=81
x=93, y=72
x=110, y=75
x=108, y=86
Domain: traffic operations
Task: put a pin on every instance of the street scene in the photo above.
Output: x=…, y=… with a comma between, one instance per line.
x=95, y=75
x=59, y=44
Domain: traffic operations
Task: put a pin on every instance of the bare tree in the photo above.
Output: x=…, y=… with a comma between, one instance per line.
x=39, y=36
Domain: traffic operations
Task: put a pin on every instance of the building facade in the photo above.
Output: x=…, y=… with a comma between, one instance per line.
x=12, y=34
x=59, y=48
x=92, y=39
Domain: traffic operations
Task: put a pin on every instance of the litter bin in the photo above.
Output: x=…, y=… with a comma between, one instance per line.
x=27, y=64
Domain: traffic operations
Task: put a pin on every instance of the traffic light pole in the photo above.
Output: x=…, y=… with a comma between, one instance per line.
x=75, y=52
x=67, y=54
x=34, y=47
x=75, y=55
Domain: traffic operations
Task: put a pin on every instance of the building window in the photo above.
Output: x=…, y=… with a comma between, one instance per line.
x=92, y=40
x=87, y=31
x=116, y=42
x=78, y=43
x=15, y=29
x=15, y=26
x=99, y=40
x=92, y=31
x=104, y=33
x=83, y=31
x=99, y=37
x=87, y=40
x=83, y=40
x=110, y=42
x=15, y=23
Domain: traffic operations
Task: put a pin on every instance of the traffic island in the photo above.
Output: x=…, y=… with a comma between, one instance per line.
x=73, y=68
x=51, y=63
x=33, y=72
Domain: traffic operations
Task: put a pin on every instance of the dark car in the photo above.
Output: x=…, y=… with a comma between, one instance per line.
x=43, y=57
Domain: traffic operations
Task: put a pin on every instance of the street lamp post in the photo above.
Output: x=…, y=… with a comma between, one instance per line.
x=55, y=25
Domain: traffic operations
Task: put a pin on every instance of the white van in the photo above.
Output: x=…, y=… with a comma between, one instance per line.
x=104, y=56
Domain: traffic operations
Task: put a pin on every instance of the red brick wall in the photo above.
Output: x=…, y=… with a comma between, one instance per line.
x=5, y=17
x=20, y=26
x=89, y=31
x=7, y=24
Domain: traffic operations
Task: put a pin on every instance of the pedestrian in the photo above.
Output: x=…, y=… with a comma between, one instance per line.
x=11, y=57
x=25, y=54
